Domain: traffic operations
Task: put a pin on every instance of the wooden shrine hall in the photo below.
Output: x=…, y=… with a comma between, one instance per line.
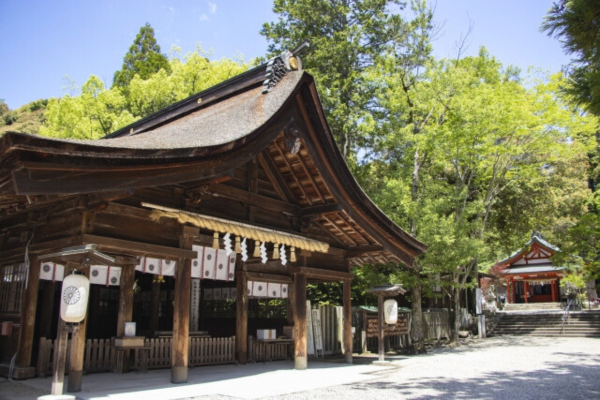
x=233, y=195
x=530, y=274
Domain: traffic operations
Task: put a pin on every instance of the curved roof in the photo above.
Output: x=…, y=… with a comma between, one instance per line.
x=200, y=137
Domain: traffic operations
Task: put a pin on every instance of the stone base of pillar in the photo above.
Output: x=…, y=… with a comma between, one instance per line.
x=300, y=363
x=348, y=356
x=179, y=374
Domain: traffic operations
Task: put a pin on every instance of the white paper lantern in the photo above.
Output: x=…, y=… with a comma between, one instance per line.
x=390, y=311
x=74, y=298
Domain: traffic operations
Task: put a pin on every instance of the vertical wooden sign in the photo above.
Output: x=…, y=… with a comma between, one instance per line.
x=195, y=305
x=310, y=340
x=318, y=333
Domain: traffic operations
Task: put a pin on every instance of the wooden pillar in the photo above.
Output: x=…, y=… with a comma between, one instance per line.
x=60, y=359
x=300, y=353
x=290, y=315
x=380, y=327
x=28, y=311
x=181, y=312
x=49, y=293
x=553, y=288
x=78, y=337
x=154, y=306
x=347, y=320
x=125, y=311
x=525, y=291
x=241, y=318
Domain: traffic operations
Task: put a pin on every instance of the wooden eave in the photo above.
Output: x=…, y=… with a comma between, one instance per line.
x=315, y=183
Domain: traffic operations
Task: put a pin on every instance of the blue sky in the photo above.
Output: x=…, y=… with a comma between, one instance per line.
x=43, y=41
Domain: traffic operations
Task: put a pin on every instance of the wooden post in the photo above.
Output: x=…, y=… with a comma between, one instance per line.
x=76, y=355
x=553, y=288
x=154, y=306
x=49, y=293
x=125, y=311
x=525, y=291
x=28, y=311
x=241, y=318
x=300, y=356
x=181, y=311
x=290, y=315
x=60, y=360
x=380, y=322
x=508, y=292
x=347, y=320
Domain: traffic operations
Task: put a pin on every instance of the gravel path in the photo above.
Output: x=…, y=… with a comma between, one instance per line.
x=496, y=368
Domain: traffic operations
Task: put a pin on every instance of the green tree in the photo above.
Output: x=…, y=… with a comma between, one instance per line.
x=143, y=59
x=98, y=111
x=577, y=24
x=345, y=37
x=465, y=138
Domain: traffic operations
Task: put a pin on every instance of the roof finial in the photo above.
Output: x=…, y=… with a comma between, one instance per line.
x=278, y=66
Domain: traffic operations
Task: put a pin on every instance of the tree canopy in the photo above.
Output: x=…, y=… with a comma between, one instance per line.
x=576, y=23
x=143, y=59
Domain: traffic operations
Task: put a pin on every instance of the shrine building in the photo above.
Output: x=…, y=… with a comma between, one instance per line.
x=202, y=224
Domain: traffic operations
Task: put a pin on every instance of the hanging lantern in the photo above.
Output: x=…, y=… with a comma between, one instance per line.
x=293, y=254
x=215, y=241
x=74, y=298
x=256, y=249
x=276, y=251
x=390, y=311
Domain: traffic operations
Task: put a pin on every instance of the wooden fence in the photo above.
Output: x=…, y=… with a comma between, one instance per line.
x=261, y=351
x=100, y=354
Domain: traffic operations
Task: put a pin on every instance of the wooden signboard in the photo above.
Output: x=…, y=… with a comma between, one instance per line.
x=310, y=340
x=318, y=333
x=399, y=328
x=195, y=305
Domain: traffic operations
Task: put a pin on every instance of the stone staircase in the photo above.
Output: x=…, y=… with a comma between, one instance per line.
x=548, y=323
x=532, y=306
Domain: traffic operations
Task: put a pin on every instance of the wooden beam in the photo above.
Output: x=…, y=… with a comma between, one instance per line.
x=272, y=278
x=128, y=247
x=181, y=311
x=315, y=211
x=380, y=327
x=272, y=172
x=325, y=274
x=253, y=199
x=241, y=317
x=28, y=314
x=300, y=350
x=359, y=251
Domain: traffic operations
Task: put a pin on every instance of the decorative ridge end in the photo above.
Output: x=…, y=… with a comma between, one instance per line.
x=278, y=66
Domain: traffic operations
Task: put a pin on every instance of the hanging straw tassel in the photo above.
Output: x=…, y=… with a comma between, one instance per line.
x=215, y=241
x=238, y=246
x=293, y=254
x=256, y=249
x=276, y=251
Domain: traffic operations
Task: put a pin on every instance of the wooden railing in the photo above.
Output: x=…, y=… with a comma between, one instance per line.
x=257, y=350
x=100, y=354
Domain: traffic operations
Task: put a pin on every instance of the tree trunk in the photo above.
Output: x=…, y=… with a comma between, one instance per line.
x=456, y=314
x=416, y=329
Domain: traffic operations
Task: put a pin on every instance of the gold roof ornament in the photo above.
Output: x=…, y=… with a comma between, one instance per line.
x=221, y=225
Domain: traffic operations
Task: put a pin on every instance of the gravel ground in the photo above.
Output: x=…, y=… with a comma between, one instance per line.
x=508, y=367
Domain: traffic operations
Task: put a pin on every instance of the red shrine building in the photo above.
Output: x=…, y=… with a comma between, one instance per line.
x=529, y=273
